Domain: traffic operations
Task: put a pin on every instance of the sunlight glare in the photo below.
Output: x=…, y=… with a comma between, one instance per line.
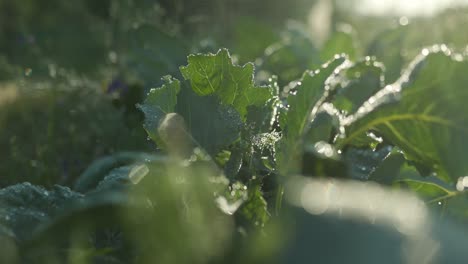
x=404, y=7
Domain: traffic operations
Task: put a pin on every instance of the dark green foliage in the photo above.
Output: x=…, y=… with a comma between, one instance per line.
x=54, y=144
x=292, y=55
x=261, y=156
x=24, y=207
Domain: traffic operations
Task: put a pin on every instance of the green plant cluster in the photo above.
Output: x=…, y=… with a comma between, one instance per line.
x=348, y=152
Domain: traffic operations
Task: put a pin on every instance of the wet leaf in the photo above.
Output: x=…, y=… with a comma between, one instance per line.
x=428, y=122
x=309, y=93
x=212, y=124
x=292, y=55
x=215, y=74
x=159, y=102
x=358, y=83
x=96, y=172
x=24, y=207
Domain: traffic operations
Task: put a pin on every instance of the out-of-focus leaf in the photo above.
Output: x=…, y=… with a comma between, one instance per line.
x=96, y=172
x=152, y=53
x=8, y=71
x=427, y=123
x=363, y=222
x=46, y=120
x=9, y=252
x=248, y=29
x=174, y=202
x=388, y=47
x=340, y=42
x=291, y=56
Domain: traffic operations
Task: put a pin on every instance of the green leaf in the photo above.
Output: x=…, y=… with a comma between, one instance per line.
x=100, y=168
x=212, y=124
x=429, y=122
x=397, y=171
x=358, y=83
x=304, y=103
x=388, y=47
x=389, y=169
x=248, y=29
x=323, y=160
x=430, y=188
x=311, y=92
x=234, y=163
x=340, y=42
x=215, y=74
x=24, y=207
x=159, y=102
x=321, y=128
x=291, y=56
x=366, y=163
x=152, y=53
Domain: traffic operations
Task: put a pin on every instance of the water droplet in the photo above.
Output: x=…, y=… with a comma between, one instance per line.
x=324, y=149
x=226, y=207
x=458, y=57
x=460, y=187
x=403, y=21
x=28, y=72
x=52, y=71
x=113, y=57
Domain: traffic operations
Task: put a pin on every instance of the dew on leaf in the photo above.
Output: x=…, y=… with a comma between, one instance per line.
x=324, y=149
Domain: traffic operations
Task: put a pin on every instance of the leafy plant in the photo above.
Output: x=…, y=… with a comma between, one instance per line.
x=277, y=161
